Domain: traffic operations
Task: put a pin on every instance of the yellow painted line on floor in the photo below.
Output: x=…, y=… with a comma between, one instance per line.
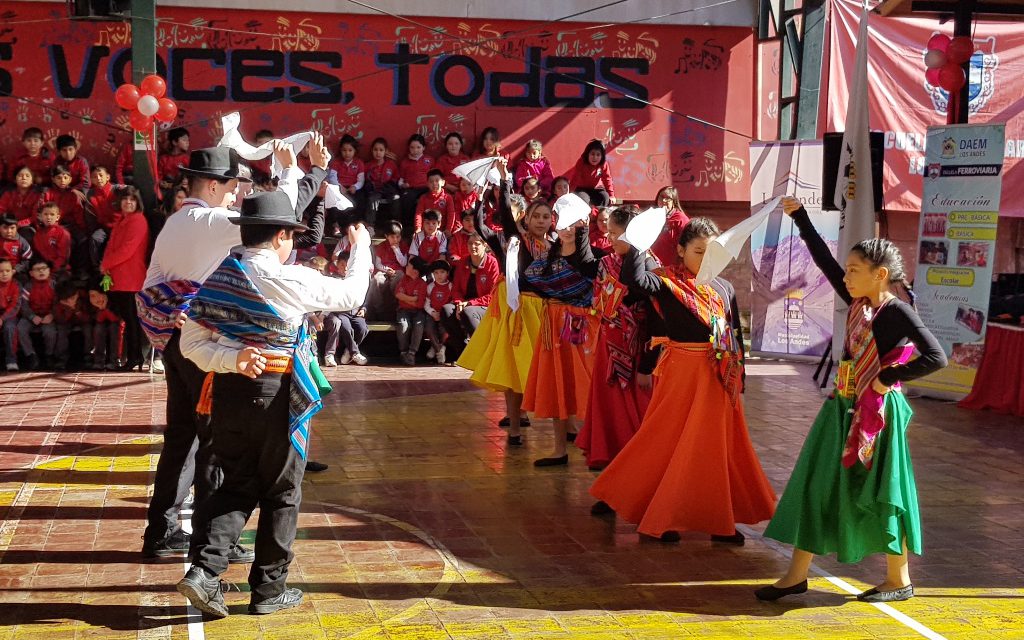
x=848, y=588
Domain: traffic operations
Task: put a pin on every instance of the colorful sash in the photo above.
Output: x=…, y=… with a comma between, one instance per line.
x=623, y=324
x=230, y=304
x=707, y=306
x=856, y=376
x=159, y=307
x=560, y=282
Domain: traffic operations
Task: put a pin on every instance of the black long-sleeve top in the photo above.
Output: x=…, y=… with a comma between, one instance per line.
x=311, y=207
x=680, y=324
x=895, y=325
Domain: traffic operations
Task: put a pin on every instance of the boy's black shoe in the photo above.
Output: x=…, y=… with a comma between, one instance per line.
x=289, y=598
x=203, y=592
x=315, y=467
x=175, y=544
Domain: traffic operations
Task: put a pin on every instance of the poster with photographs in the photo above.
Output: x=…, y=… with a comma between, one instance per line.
x=956, y=247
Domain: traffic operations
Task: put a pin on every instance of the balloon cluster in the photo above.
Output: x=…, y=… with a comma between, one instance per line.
x=945, y=59
x=147, y=103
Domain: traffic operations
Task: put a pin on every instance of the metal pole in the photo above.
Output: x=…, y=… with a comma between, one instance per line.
x=959, y=106
x=144, y=64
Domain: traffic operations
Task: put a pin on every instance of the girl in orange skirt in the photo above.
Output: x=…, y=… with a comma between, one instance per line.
x=621, y=386
x=559, y=382
x=691, y=466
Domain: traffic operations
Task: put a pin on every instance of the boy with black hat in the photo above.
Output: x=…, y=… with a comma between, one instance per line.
x=192, y=243
x=246, y=327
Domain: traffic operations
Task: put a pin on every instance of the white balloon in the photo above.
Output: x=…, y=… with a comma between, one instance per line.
x=148, y=105
x=934, y=59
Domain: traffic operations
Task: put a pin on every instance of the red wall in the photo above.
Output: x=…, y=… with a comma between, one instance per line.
x=283, y=72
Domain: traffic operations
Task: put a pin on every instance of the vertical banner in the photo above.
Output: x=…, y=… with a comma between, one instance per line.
x=792, y=302
x=957, y=244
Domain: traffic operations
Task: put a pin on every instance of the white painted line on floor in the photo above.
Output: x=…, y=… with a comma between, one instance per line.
x=195, y=617
x=847, y=587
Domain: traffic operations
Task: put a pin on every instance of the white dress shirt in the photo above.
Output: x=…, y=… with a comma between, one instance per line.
x=196, y=239
x=293, y=291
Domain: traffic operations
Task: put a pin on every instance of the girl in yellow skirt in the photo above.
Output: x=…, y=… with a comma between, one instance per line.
x=691, y=466
x=501, y=350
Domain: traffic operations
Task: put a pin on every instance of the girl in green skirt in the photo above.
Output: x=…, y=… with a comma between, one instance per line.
x=852, y=491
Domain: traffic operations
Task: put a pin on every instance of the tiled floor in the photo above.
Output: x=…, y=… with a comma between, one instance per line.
x=426, y=527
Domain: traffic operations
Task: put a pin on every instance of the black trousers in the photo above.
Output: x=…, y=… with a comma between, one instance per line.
x=598, y=197
x=186, y=456
x=122, y=303
x=261, y=468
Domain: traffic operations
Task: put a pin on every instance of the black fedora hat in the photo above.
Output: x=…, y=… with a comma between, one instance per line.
x=271, y=208
x=218, y=163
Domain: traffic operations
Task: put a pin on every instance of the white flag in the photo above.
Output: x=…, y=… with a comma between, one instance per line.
x=854, y=191
x=476, y=171
x=726, y=247
x=233, y=139
x=644, y=229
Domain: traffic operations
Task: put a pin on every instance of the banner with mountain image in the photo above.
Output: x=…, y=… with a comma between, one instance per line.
x=792, y=302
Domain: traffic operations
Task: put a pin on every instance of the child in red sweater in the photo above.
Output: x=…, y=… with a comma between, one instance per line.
x=13, y=247
x=429, y=244
x=177, y=154
x=22, y=202
x=381, y=188
x=465, y=198
x=52, y=241
x=70, y=202
x=411, y=294
x=103, y=202
x=665, y=246
x=412, y=176
x=438, y=199
x=458, y=244
x=71, y=317
x=106, y=329
x=10, y=307
x=600, y=243
x=35, y=156
x=389, y=260
x=67, y=155
x=349, y=173
x=451, y=158
x=39, y=301
x=593, y=176
x=439, y=294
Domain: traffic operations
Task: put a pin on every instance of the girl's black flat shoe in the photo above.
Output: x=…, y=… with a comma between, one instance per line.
x=772, y=593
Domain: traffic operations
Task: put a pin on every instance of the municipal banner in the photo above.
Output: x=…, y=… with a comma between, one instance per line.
x=957, y=245
x=792, y=301
x=903, y=104
x=374, y=75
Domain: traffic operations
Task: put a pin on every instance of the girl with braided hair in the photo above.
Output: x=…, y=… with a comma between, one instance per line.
x=852, y=491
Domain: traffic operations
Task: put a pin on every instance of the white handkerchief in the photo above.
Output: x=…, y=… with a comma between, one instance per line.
x=335, y=199
x=232, y=139
x=726, y=247
x=512, y=274
x=476, y=171
x=644, y=229
x=570, y=209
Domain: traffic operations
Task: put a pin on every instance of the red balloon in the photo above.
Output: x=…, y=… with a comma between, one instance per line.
x=127, y=96
x=168, y=110
x=951, y=77
x=154, y=85
x=960, y=50
x=939, y=42
x=932, y=76
x=140, y=122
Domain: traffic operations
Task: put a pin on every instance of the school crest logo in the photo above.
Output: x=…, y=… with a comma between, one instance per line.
x=949, y=148
x=934, y=170
x=981, y=79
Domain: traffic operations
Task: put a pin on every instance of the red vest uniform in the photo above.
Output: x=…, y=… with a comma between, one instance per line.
x=379, y=175
x=386, y=257
x=348, y=172
x=16, y=251
x=429, y=248
x=440, y=295
x=441, y=202
x=412, y=287
x=414, y=172
x=447, y=164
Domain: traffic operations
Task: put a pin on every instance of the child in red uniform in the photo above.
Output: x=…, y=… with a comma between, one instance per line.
x=381, y=188
x=458, y=244
x=39, y=300
x=411, y=294
x=490, y=143
x=70, y=202
x=103, y=202
x=593, y=176
x=177, y=154
x=106, y=329
x=438, y=199
x=52, y=241
x=124, y=260
x=389, y=260
x=67, y=155
x=439, y=294
x=465, y=198
x=429, y=244
x=600, y=242
x=665, y=246
x=531, y=190
x=535, y=165
x=10, y=306
x=35, y=156
x=349, y=173
x=412, y=175
x=451, y=158
x=13, y=247
x=23, y=200
x=71, y=317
